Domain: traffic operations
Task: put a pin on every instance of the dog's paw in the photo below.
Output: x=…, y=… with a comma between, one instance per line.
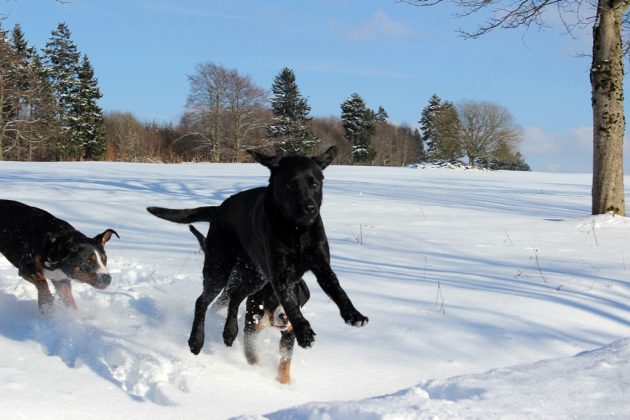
x=356, y=320
x=47, y=309
x=195, y=343
x=306, y=337
x=229, y=333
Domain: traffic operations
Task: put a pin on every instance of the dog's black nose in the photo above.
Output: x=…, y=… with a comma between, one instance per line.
x=311, y=209
x=283, y=317
x=104, y=280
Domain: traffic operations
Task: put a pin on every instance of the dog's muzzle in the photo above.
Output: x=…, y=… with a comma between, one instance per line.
x=308, y=212
x=102, y=281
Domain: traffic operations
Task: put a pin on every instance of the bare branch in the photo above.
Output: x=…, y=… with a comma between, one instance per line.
x=511, y=14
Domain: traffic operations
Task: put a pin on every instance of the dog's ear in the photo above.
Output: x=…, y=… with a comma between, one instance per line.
x=302, y=292
x=105, y=236
x=271, y=162
x=327, y=157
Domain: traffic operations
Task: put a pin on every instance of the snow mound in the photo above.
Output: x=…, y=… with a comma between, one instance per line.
x=592, y=384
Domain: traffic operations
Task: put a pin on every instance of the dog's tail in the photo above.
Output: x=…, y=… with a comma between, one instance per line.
x=199, y=214
x=199, y=236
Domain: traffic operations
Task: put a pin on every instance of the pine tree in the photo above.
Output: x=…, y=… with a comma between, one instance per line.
x=422, y=155
x=290, y=126
x=62, y=60
x=88, y=122
x=427, y=124
x=381, y=115
x=43, y=109
x=447, y=144
x=359, y=126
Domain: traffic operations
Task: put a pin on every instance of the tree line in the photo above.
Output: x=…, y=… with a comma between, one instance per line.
x=48, y=100
x=49, y=112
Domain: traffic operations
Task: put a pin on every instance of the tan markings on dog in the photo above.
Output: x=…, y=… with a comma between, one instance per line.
x=284, y=371
x=64, y=290
x=44, y=297
x=81, y=276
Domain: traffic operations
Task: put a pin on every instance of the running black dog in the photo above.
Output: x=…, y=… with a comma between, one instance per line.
x=44, y=247
x=263, y=310
x=270, y=234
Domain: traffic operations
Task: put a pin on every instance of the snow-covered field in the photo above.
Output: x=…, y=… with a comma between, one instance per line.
x=490, y=295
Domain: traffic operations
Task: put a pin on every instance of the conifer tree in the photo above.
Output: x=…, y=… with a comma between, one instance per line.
x=43, y=112
x=447, y=142
x=62, y=60
x=381, y=115
x=88, y=123
x=359, y=126
x=291, y=123
x=427, y=124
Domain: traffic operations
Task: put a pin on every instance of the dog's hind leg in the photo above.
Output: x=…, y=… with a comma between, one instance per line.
x=253, y=317
x=251, y=282
x=216, y=271
x=64, y=290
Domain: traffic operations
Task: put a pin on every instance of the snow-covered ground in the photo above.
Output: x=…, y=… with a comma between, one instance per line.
x=490, y=295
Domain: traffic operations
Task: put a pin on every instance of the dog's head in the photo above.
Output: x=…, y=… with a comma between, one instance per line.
x=275, y=312
x=79, y=258
x=296, y=183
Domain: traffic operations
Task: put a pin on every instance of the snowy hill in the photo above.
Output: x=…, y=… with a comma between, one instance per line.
x=490, y=294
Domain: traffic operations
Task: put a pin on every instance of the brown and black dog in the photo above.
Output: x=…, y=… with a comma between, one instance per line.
x=263, y=310
x=271, y=235
x=42, y=247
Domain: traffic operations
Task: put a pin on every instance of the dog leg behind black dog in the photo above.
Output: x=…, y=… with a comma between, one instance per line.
x=287, y=342
x=253, y=315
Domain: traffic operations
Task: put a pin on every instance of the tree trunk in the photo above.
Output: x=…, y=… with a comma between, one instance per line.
x=608, y=114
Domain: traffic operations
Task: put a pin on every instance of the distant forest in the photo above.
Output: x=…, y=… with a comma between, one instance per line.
x=50, y=112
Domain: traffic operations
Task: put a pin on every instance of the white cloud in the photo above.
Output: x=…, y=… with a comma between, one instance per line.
x=537, y=142
x=379, y=26
x=569, y=151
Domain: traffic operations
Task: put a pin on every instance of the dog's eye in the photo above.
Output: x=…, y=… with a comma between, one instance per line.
x=315, y=185
x=86, y=268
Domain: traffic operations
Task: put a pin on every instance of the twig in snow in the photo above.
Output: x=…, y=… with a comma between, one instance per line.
x=508, y=238
x=538, y=264
x=594, y=234
x=439, y=299
x=359, y=238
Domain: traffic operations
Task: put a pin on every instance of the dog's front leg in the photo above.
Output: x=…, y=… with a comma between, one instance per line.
x=303, y=332
x=329, y=283
x=287, y=341
x=64, y=290
x=45, y=299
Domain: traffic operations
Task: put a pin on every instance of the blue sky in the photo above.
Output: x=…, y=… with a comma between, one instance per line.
x=392, y=54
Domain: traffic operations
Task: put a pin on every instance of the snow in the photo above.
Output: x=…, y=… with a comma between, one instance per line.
x=490, y=295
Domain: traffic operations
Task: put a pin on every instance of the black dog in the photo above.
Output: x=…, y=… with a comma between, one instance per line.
x=42, y=246
x=263, y=310
x=270, y=234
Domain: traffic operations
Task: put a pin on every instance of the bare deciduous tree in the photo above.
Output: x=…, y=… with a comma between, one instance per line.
x=485, y=128
x=223, y=108
x=609, y=21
